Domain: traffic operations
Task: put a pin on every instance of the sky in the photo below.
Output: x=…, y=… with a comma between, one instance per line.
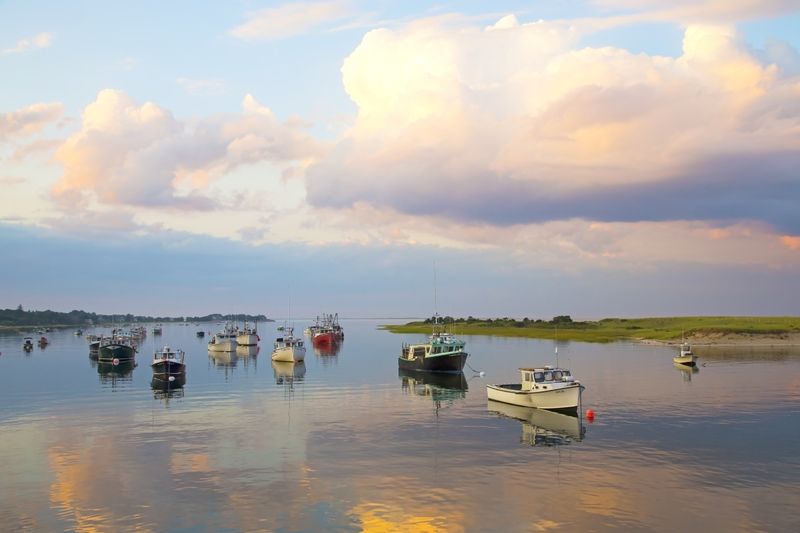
x=392, y=159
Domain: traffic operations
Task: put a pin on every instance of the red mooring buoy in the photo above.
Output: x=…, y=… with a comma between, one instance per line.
x=589, y=415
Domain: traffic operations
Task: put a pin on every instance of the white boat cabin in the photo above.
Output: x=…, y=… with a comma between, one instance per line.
x=545, y=378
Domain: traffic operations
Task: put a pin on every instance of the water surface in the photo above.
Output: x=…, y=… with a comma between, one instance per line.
x=345, y=443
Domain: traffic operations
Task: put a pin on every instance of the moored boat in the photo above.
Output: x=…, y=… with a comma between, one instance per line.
x=686, y=356
x=248, y=336
x=43, y=341
x=224, y=341
x=287, y=347
x=116, y=348
x=442, y=353
x=168, y=361
x=544, y=388
x=94, y=343
x=157, y=329
x=328, y=331
x=27, y=344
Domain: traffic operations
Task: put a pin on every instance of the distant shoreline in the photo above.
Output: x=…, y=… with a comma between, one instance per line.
x=668, y=331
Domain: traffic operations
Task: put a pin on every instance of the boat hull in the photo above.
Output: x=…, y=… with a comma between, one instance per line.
x=324, y=339
x=442, y=363
x=686, y=360
x=559, y=399
x=289, y=354
x=168, y=367
x=222, y=346
x=118, y=352
x=247, y=339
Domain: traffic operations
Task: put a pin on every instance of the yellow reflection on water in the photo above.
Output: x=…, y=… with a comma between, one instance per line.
x=381, y=518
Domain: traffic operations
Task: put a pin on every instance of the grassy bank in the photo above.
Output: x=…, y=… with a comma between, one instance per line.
x=664, y=329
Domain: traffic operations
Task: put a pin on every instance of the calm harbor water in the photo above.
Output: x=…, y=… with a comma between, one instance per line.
x=345, y=443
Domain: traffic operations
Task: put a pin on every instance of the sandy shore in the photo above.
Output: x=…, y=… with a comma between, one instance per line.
x=735, y=339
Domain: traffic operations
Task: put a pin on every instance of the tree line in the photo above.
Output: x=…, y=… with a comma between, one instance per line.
x=21, y=317
x=506, y=322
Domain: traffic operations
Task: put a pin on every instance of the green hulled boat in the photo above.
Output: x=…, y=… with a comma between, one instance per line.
x=116, y=349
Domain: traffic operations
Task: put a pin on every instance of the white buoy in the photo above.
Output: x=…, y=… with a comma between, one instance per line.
x=172, y=378
x=481, y=373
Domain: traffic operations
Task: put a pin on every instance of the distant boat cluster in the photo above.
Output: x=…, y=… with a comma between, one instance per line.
x=546, y=387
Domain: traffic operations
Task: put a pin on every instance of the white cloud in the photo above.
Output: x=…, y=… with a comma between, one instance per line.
x=290, y=19
x=515, y=124
x=29, y=120
x=140, y=155
x=41, y=40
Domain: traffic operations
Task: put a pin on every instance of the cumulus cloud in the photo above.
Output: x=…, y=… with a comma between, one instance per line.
x=41, y=40
x=516, y=123
x=29, y=120
x=290, y=19
x=140, y=155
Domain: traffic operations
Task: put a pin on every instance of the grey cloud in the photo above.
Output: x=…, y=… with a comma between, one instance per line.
x=763, y=187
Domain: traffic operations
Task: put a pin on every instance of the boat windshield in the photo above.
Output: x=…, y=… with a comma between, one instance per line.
x=557, y=375
x=538, y=376
x=548, y=376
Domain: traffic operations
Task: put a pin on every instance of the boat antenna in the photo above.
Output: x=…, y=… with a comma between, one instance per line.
x=435, y=295
x=557, y=365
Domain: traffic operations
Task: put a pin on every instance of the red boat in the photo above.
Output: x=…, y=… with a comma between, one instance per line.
x=324, y=337
x=329, y=332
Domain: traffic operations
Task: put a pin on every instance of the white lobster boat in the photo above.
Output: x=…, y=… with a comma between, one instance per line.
x=686, y=356
x=248, y=336
x=544, y=388
x=288, y=348
x=224, y=341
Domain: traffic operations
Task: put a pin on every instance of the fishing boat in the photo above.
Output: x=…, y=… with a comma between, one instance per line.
x=442, y=353
x=116, y=349
x=225, y=340
x=78, y=332
x=157, y=329
x=328, y=332
x=248, y=336
x=287, y=347
x=541, y=427
x=545, y=388
x=168, y=361
x=201, y=334
x=27, y=344
x=43, y=341
x=686, y=356
x=94, y=343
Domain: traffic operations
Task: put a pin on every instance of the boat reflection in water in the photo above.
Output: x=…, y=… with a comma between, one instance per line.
x=248, y=354
x=541, y=427
x=686, y=371
x=243, y=350
x=223, y=359
x=114, y=374
x=287, y=371
x=438, y=386
x=328, y=351
x=168, y=386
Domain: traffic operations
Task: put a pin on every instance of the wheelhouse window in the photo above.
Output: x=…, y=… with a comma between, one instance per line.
x=557, y=375
x=538, y=376
x=548, y=376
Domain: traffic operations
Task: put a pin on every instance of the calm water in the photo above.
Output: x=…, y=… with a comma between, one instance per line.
x=343, y=443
